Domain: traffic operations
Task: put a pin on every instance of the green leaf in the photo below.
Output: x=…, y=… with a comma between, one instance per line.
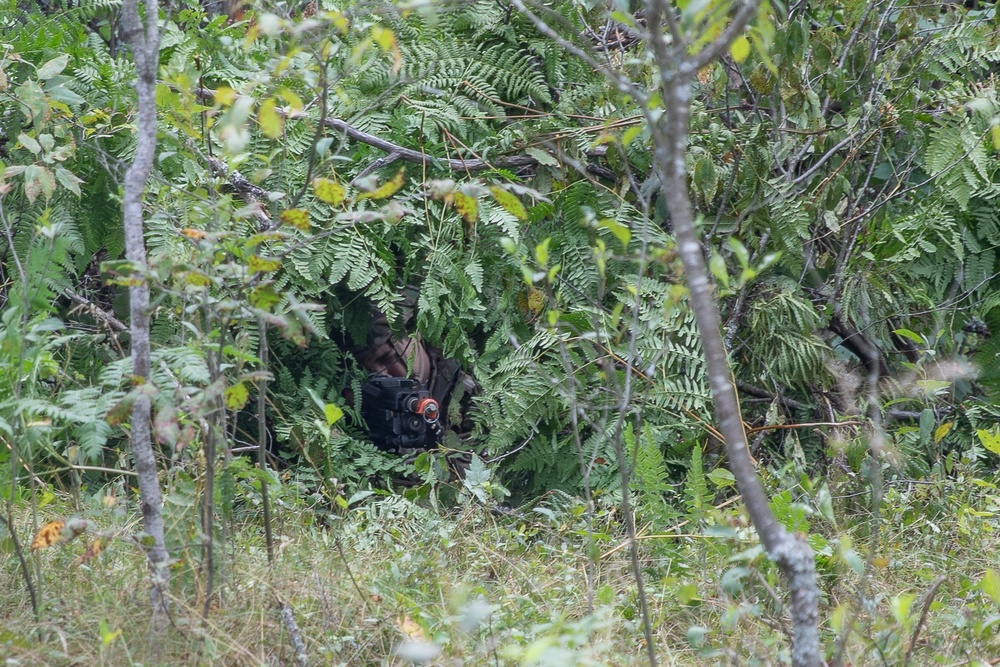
x=912, y=335
x=358, y=496
x=542, y=252
x=732, y=580
x=717, y=265
x=333, y=413
x=927, y=421
x=706, y=177
x=990, y=440
x=264, y=297
x=825, y=503
x=696, y=634
x=722, y=477
x=901, y=605
x=29, y=143
x=631, y=134
x=542, y=157
x=990, y=584
x=63, y=94
x=53, y=67
x=620, y=231
x=385, y=38
x=258, y=264
x=68, y=180
x=32, y=100
x=941, y=431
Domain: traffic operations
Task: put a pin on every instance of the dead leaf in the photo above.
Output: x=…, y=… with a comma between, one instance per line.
x=48, y=535
x=93, y=550
x=410, y=628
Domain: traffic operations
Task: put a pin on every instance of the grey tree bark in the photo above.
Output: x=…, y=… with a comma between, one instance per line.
x=142, y=35
x=678, y=68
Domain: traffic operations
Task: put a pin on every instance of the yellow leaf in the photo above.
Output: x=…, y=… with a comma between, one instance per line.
x=740, y=49
x=48, y=535
x=991, y=441
x=881, y=562
x=339, y=21
x=329, y=191
x=509, y=202
x=296, y=217
x=271, y=123
x=236, y=396
x=195, y=278
x=941, y=431
x=224, y=96
x=195, y=234
x=291, y=98
x=386, y=40
x=388, y=188
x=384, y=37
x=261, y=265
x=466, y=206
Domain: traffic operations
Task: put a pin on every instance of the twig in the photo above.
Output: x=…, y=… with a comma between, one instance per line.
x=109, y=319
x=928, y=599
x=667, y=535
x=294, y=634
x=396, y=151
x=8, y=521
x=773, y=594
x=262, y=441
x=410, y=155
x=250, y=192
x=383, y=161
x=781, y=427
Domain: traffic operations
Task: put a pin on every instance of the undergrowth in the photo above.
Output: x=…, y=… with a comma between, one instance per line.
x=387, y=581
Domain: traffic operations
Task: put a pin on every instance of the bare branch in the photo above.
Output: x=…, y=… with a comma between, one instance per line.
x=110, y=320
x=737, y=25
x=294, y=634
x=621, y=82
x=925, y=608
x=419, y=157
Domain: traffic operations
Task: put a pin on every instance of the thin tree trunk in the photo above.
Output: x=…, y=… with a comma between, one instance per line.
x=793, y=555
x=144, y=41
x=262, y=442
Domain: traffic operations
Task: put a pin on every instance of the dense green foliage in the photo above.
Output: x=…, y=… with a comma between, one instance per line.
x=845, y=172
x=874, y=184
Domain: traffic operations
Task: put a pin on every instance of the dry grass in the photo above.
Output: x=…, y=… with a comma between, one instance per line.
x=488, y=590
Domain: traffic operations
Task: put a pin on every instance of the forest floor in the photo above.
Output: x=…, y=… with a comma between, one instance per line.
x=388, y=582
